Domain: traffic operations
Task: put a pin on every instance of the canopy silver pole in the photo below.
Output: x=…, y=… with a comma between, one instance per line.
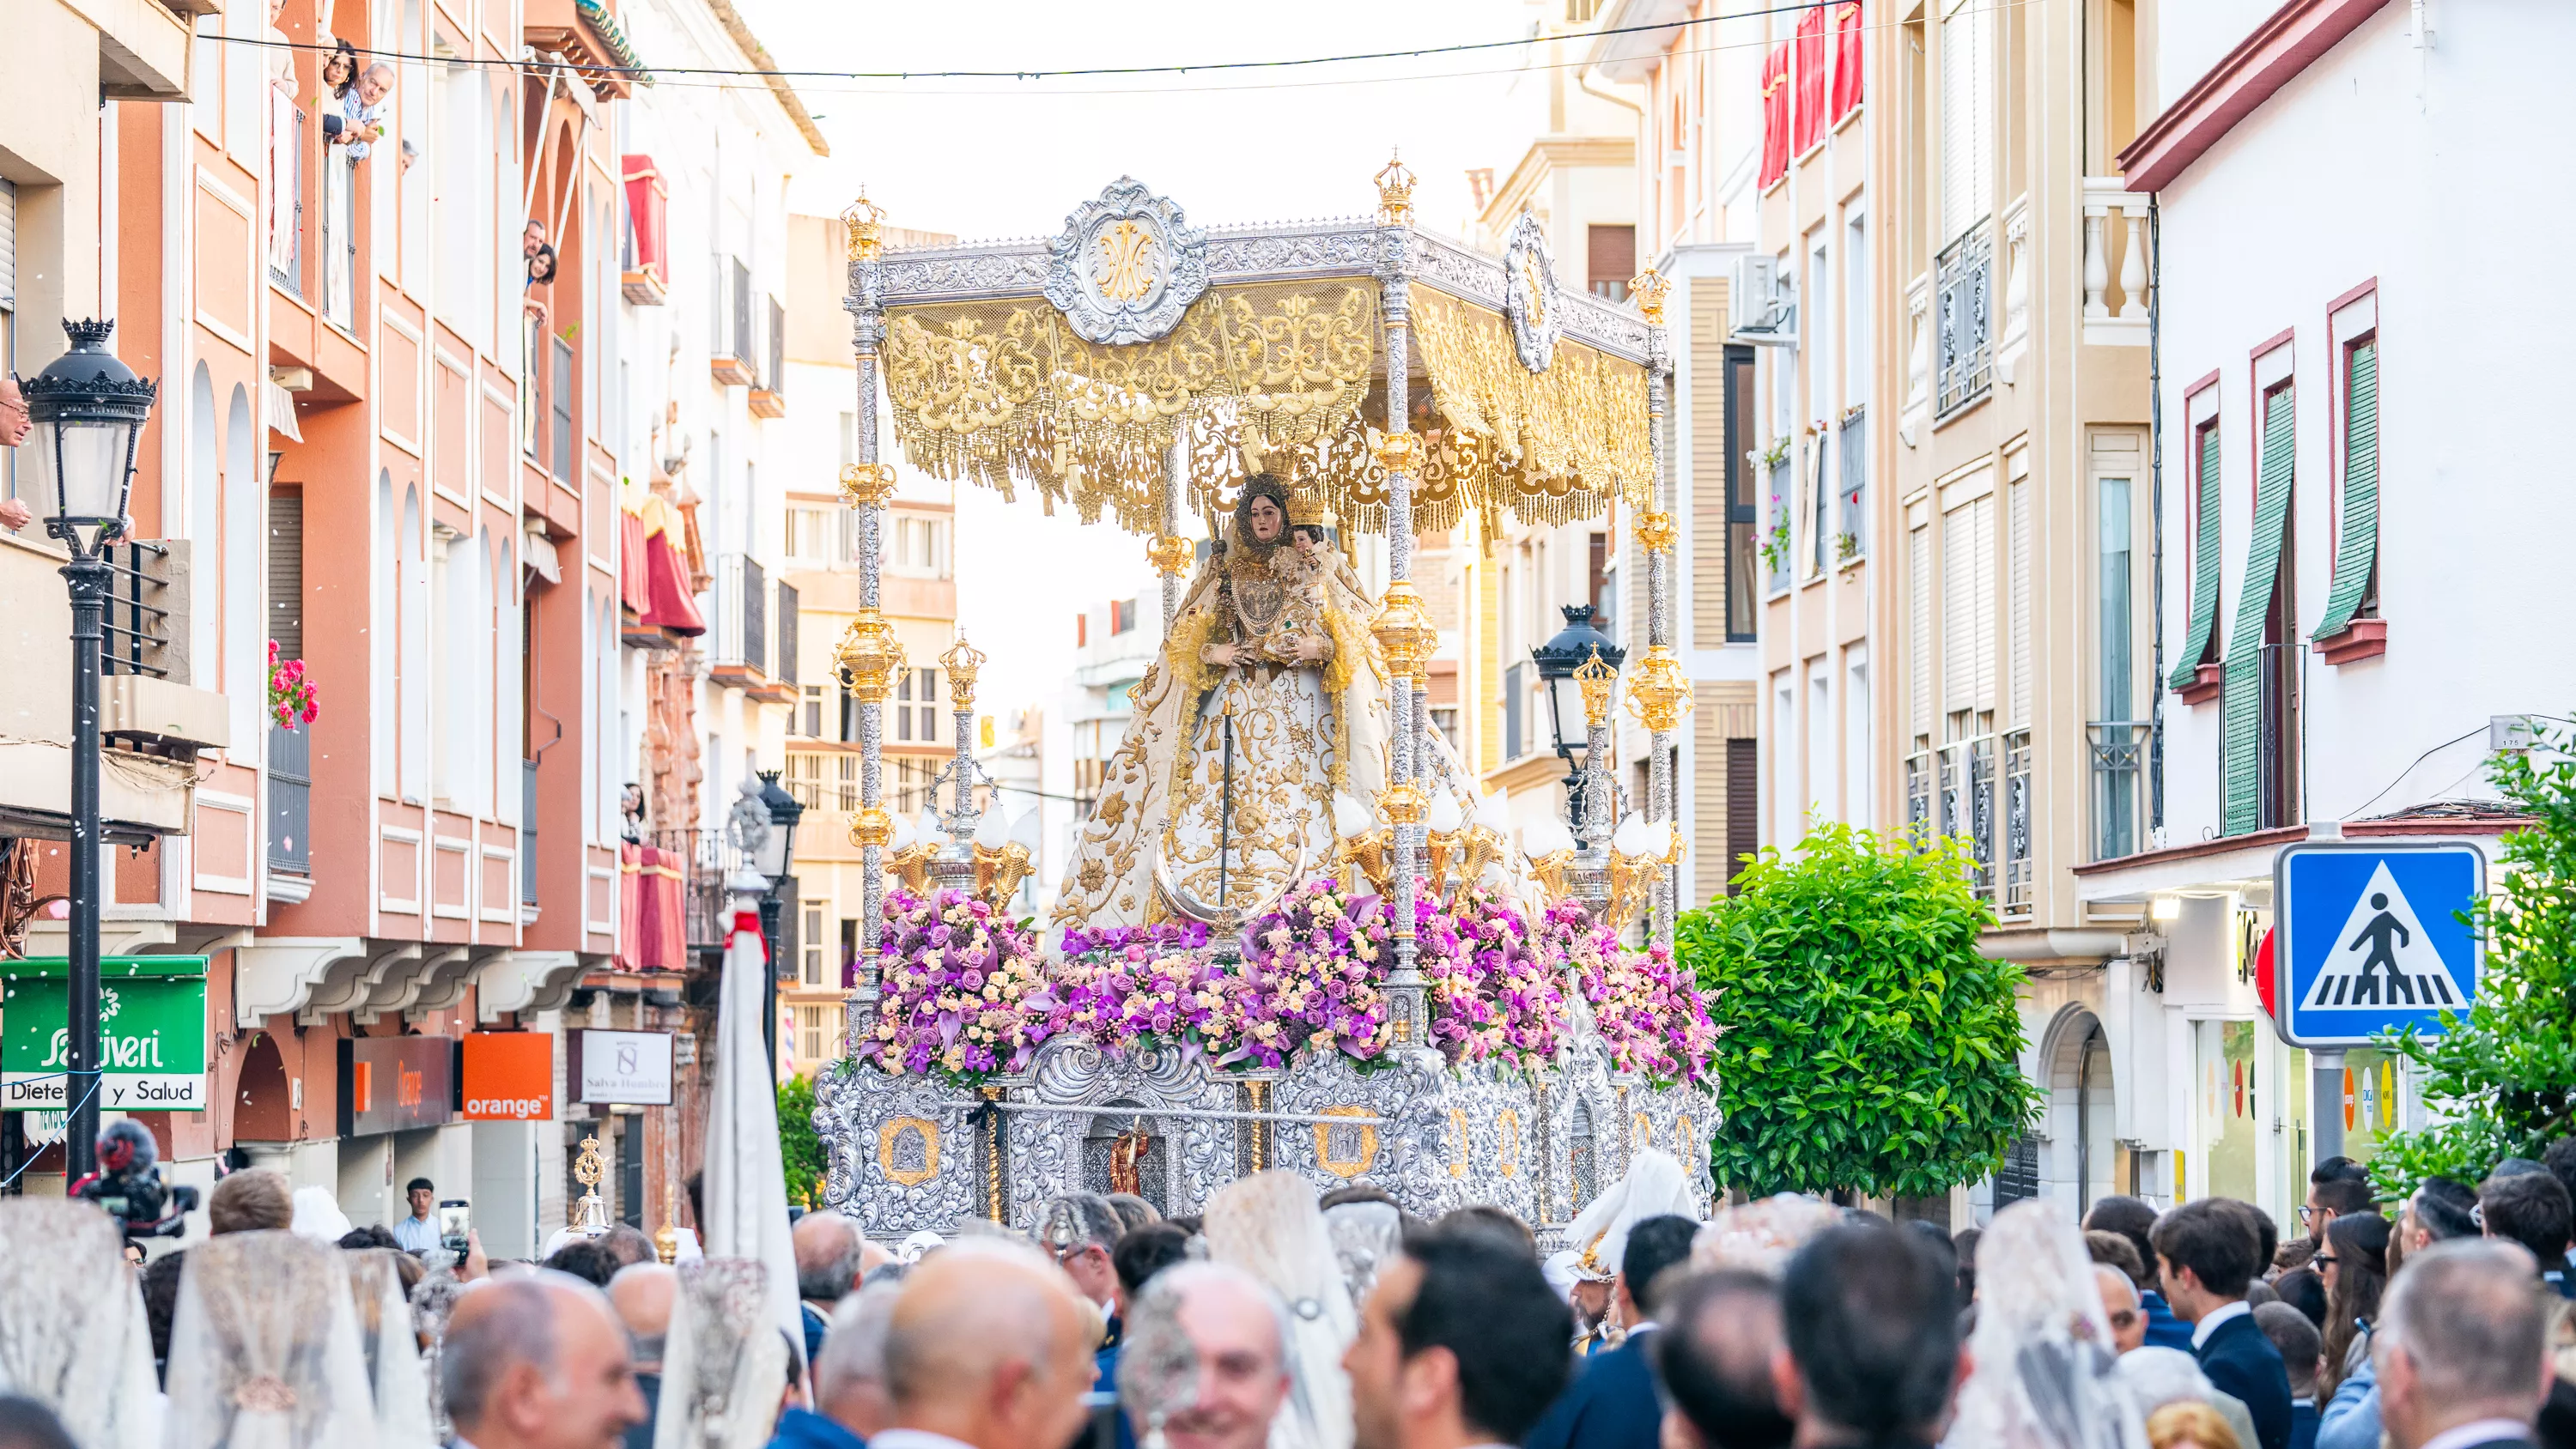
x=866, y=485
x=1402, y=627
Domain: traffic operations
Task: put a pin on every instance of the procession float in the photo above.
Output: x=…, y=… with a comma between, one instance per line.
x=1292, y=931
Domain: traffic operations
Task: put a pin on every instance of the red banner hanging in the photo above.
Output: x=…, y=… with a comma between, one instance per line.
x=1847, y=57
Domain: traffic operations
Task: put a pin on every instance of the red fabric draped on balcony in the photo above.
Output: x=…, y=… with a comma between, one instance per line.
x=669, y=604
x=634, y=567
x=1847, y=73
x=670, y=910
x=1810, y=127
x=646, y=200
x=1775, y=114
x=630, y=906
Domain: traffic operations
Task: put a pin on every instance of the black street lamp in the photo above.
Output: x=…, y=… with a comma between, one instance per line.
x=87, y=411
x=778, y=862
x=1557, y=660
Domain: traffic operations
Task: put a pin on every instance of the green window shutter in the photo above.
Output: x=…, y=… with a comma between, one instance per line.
x=2357, y=551
x=2204, y=574
x=2242, y=765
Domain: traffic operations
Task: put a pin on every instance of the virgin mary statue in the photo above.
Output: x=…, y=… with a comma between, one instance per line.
x=1269, y=699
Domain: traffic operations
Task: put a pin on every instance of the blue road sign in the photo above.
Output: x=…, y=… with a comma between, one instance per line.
x=2368, y=937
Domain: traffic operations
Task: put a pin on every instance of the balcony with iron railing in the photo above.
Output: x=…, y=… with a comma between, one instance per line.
x=1963, y=322
x=1979, y=790
x=750, y=612
x=286, y=194
x=2119, y=758
x=731, y=359
x=154, y=718
x=704, y=861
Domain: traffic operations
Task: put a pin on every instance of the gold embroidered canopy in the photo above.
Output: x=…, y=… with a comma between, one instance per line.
x=1075, y=367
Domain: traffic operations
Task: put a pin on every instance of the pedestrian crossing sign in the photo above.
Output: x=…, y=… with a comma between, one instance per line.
x=2370, y=937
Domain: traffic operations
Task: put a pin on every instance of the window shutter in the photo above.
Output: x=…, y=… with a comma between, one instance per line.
x=286, y=573
x=1958, y=629
x=2203, y=631
x=2242, y=765
x=1981, y=601
x=8, y=246
x=2016, y=601
x=2357, y=553
x=1743, y=809
x=1967, y=117
x=1918, y=570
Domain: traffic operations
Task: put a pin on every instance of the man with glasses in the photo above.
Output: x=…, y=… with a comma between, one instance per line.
x=14, y=424
x=2334, y=1198
x=1080, y=1230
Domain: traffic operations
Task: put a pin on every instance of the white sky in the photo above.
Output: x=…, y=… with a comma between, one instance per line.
x=987, y=159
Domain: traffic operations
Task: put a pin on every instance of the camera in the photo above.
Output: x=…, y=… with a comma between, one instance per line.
x=129, y=1188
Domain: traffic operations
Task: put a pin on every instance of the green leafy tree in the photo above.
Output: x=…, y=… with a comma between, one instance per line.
x=800, y=1147
x=2502, y=1080
x=1866, y=1045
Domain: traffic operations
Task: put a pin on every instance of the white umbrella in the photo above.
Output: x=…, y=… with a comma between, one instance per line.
x=746, y=1180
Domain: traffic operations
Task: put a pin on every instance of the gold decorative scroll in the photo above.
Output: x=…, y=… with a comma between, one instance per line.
x=1002, y=392
x=1565, y=438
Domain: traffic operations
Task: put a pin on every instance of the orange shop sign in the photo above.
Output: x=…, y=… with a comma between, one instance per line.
x=509, y=1076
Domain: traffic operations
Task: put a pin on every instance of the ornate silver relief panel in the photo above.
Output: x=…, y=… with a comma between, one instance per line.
x=1530, y=301
x=1126, y=265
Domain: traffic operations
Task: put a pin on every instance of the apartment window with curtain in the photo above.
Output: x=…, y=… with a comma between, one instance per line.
x=1743, y=568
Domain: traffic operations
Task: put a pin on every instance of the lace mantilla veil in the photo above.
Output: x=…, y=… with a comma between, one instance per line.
x=392, y=1347
x=264, y=1349
x=72, y=1331
x=1268, y=1225
x=724, y=1365
x=2046, y=1373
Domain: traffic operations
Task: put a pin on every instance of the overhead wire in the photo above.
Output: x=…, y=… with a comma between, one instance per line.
x=656, y=73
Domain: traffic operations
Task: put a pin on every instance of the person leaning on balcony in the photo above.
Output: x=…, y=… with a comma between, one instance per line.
x=14, y=424
x=363, y=110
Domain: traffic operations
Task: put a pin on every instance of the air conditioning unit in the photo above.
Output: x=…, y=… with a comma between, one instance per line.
x=1761, y=302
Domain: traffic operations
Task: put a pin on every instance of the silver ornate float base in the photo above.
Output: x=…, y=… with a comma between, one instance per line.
x=909, y=1153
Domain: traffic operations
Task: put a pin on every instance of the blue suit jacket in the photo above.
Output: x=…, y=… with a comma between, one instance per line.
x=2303, y=1424
x=2239, y=1359
x=805, y=1429
x=1610, y=1405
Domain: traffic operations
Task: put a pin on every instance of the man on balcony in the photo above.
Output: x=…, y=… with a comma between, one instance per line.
x=14, y=423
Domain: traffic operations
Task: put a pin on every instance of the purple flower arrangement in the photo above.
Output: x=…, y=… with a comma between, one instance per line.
x=966, y=992
x=969, y=995
x=1494, y=994
x=1648, y=1013
x=1312, y=964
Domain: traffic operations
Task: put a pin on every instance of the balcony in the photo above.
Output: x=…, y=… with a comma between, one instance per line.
x=768, y=395
x=739, y=632
x=1851, y=539
x=731, y=356
x=1958, y=790
x=703, y=861
x=2119, y=751
x=2115, y=263
x=152, y=717
x=585, y=33
x=1963, y=287
x=286, y=196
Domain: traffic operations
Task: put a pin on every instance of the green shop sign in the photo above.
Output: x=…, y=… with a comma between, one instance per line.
x=152, y=1034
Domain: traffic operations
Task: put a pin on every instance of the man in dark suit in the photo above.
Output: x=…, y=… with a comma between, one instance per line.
x=2462, y=1348
x=1612, y=1403
x=2209, y=1254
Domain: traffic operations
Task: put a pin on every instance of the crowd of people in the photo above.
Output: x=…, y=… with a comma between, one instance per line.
x=1277, y=1319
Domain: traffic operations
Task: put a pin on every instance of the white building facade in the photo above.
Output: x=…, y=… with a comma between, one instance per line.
x=2356, y=576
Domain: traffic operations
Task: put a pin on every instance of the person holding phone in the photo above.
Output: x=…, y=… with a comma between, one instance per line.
x=419, y=1232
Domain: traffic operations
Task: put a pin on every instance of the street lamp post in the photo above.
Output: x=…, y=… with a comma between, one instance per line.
x=1558, y=661
x=87, y=410
x=778, y=863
